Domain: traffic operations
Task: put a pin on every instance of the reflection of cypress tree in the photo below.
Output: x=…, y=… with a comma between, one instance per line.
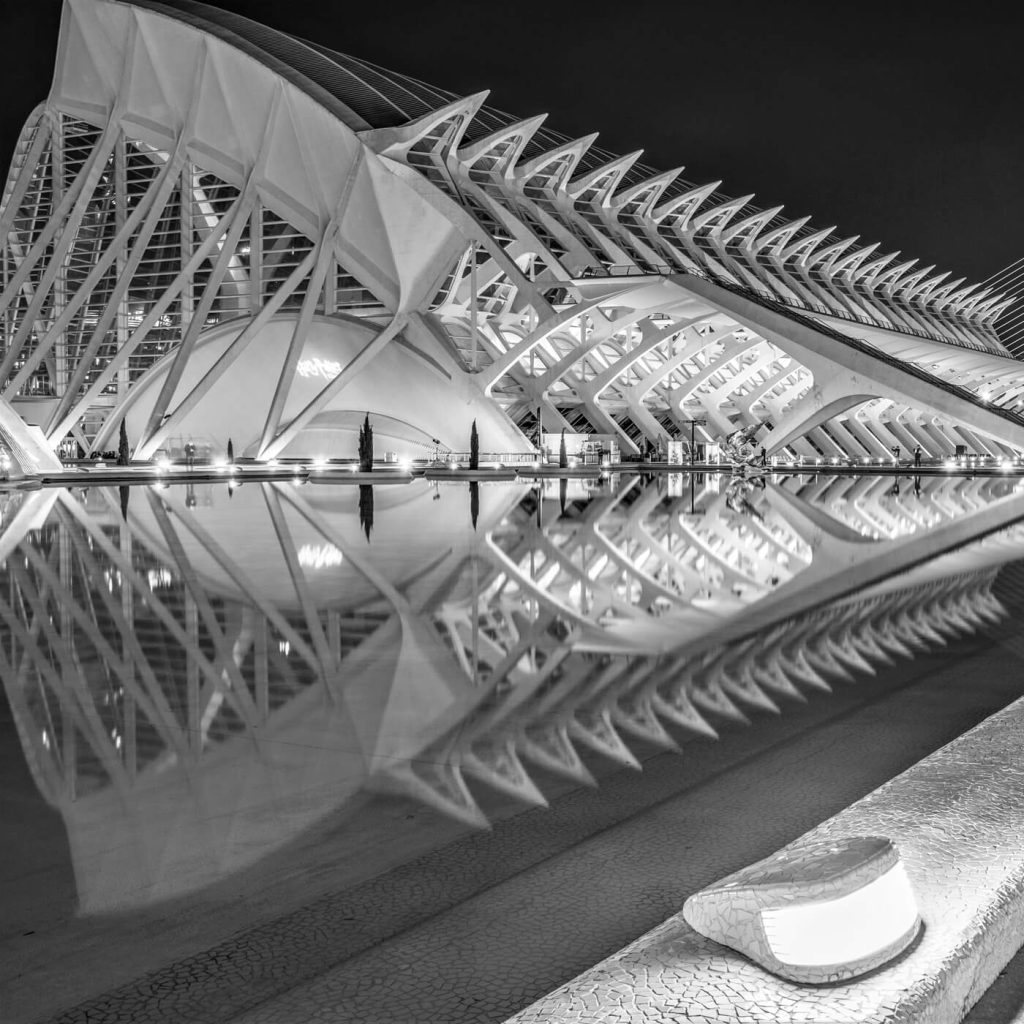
x=124, y=492
x=474, y=501
x=366, y=508
x=366, y=446
x=474, y=448
x=563, y=490
x=563, y=457
x=124, y=453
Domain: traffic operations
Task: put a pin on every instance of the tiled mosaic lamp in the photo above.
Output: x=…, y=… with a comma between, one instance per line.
x=821, y=913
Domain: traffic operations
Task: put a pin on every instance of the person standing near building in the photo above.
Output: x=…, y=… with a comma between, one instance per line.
x=917, y=457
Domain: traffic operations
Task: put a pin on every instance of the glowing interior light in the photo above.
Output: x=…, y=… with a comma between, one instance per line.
x=844, y=930
x=814, y=913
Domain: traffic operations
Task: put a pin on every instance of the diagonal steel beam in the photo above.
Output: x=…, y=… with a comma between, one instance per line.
x=69, y=411
x=325, y=255
x=356, y=365
x=152, y=434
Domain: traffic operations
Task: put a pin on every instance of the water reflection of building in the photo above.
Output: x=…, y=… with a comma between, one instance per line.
x=192, y=691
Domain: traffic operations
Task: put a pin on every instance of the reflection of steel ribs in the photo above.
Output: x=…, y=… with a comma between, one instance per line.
x=541, y=696
x=604, y=702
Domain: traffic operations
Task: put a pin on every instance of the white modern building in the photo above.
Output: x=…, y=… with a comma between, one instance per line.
x=212, y=230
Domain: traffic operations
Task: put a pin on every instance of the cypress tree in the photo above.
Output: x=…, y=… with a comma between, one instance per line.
x=124, y=453
x=366, y=446
x=563, y=457
x=231, y=453
x=474, y=448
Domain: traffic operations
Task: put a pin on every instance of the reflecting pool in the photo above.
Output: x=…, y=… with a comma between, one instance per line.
x=205, y=679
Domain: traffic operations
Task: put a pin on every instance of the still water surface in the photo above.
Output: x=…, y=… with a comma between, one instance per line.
x=202, y=678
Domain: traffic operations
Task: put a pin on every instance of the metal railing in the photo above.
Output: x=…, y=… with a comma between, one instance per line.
x=502, y=458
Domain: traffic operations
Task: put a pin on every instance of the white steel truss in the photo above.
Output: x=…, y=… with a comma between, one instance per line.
x=173, y=195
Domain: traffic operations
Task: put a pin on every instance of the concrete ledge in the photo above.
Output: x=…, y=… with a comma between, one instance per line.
x=346, y=476
x=957, y=818
x=485, y=475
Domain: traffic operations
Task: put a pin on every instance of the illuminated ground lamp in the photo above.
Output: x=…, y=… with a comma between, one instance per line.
x=822, y=913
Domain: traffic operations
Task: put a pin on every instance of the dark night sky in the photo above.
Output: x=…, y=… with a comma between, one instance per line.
x=897, y=122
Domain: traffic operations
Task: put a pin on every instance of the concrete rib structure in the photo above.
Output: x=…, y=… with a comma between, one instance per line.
x=213, y=230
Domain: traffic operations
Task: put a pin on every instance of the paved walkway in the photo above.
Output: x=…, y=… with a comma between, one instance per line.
x=956, y=817
x=476, y=931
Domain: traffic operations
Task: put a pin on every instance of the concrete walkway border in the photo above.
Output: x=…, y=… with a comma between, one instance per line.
x=957, y=818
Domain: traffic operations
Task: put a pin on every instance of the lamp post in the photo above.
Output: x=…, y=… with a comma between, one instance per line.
x=693, y=442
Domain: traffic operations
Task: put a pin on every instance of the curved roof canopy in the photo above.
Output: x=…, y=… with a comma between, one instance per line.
x=363, y=95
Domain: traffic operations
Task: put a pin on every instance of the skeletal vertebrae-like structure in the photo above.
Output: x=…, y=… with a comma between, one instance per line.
x=205, y=209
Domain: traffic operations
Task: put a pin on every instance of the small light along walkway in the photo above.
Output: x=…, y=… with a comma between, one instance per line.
x=956, y=817
x=347, y=472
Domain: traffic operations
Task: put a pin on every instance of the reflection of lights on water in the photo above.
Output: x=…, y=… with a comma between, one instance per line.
x=326, y=368
x=319, y=556
x=158, y=578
